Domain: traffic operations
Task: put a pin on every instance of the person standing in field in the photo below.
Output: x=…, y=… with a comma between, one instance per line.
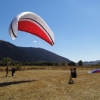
x=70, y=78
x=73, y=74
x=6, y=70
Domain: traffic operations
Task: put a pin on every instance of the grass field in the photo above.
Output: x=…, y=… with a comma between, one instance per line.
x=49, y=85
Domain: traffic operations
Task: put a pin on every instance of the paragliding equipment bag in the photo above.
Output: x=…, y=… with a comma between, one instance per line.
x=73, y=74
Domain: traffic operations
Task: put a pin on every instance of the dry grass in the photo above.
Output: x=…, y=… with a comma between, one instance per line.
x=49, y=85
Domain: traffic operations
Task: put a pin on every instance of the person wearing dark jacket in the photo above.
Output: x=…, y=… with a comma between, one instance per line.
x=70, y=78
x=12, y=70
x=73, y=74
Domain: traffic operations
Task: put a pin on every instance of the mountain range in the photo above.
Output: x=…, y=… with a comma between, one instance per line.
x=28, y=54
x=91, y=62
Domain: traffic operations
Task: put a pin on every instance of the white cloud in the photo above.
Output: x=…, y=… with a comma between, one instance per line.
x=35, y=41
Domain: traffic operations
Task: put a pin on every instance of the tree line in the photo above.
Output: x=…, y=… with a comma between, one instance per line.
x=9, y=61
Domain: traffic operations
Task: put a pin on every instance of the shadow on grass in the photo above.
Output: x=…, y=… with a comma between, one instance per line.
x=5, y=76
x=15, y=82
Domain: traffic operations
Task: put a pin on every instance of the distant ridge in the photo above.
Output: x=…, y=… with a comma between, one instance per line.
x=91, y=62
x=28, y=54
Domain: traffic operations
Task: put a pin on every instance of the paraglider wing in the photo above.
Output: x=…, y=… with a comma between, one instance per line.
x=33, y=24
x=95, y=71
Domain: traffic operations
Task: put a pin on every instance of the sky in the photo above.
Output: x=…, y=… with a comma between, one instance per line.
x=75, y=25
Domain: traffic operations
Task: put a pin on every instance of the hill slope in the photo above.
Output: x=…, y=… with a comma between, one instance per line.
x=28, y=54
